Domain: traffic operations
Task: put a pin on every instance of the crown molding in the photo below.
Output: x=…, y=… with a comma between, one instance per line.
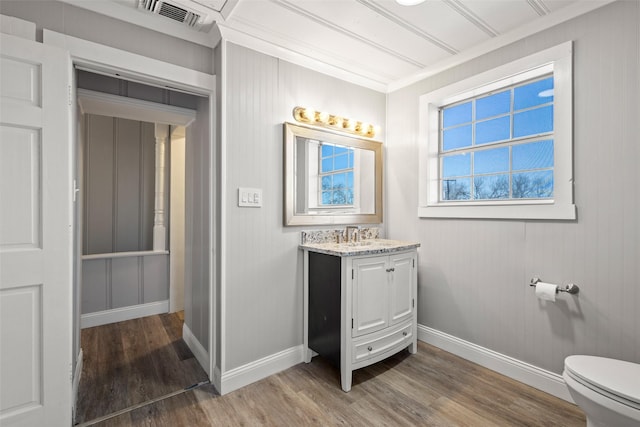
x=286, y=51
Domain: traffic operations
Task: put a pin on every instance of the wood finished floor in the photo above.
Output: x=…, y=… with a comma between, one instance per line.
x=131, y=362
x=430, y=388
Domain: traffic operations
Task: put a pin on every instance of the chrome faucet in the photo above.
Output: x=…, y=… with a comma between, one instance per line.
x=353, y=233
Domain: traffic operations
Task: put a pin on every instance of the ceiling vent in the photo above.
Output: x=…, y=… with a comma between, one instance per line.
x=174, y=10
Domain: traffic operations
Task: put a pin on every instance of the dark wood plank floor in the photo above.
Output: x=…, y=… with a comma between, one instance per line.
x=430, y=388
x=130, y=362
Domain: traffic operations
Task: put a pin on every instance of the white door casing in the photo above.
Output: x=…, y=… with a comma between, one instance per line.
x=35, y=234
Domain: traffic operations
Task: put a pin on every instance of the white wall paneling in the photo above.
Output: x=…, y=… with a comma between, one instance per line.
x=262, y=283
x=123, y=281
x=199, y=244
x=119, y=194
x=474, y=274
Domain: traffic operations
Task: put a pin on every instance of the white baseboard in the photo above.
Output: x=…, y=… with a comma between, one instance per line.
x=76, y=384
x=518, y=370
x=259, y=369
x=201, y=353
x=125, y=313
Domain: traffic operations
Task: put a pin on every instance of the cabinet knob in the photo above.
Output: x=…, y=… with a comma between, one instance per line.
x=389, y=270
x=404, y=333
x=369, y=348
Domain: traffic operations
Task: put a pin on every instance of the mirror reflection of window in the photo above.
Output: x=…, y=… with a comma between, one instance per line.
x=331, y=178
x=336, y=175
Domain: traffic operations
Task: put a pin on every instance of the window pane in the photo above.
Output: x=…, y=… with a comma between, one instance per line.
x=493, y=105
x=491, y=187
x=459, y=114
x=327, y=150
x=327, y=165
x=326, y=182
x=491, y=161
x=338, y=149
x=532, y=185
x=533, y=94
x=493, y=130
x=349, y=197
x=341, y=161
x=456, y=138
x=326, y=197
x=534, y=155
x=350, y=159
x=350, y=179
x=456, y=189
x=458, y=165
x=532, y=122
x=339, y=197
x=339, y=180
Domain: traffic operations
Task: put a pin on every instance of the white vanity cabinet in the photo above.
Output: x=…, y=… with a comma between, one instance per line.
x=359, y=305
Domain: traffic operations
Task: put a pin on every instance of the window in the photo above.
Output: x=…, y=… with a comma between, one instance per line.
x=498, y=145
x=336, y=175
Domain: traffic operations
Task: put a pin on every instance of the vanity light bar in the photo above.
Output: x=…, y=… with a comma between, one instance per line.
x=320, y=118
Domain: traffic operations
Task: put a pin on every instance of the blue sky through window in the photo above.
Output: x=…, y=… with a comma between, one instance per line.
x=336, y=175
x=517, y=123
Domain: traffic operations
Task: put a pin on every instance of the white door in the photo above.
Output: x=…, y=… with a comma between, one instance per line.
x=370, y=295
x=35, y=235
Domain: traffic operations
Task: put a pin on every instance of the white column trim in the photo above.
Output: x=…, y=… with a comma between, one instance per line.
x=159, y=219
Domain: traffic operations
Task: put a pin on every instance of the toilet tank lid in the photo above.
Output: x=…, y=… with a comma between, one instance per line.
x=618, y=377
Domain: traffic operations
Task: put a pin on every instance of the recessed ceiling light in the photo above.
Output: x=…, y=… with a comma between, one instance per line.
x=409, y=2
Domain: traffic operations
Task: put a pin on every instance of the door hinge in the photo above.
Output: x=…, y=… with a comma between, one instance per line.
x=353, y=274
x=352, y=323
x=75, y=190
x=414, y=262
x=69, y=94
x=413, y=303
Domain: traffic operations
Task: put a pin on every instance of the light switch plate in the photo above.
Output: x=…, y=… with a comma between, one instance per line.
x=249, y=197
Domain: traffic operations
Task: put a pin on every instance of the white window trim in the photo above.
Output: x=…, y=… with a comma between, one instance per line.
x=557, y=59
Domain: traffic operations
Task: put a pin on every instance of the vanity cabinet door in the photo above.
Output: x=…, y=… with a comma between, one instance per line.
x=401, y=287
x=370, y=295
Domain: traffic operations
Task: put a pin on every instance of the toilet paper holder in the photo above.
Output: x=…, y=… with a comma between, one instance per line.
x=570, y=288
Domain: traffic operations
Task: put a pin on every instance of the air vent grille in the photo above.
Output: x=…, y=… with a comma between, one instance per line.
x=170, y=11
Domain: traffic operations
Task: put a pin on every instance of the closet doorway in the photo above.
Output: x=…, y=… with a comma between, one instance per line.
x=131, y=163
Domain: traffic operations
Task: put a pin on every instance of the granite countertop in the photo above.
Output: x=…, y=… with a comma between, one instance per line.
x=365, y=247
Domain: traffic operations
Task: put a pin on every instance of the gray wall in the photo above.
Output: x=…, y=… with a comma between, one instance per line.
x=119, y=185
x=77, y=22
x=474, y=274
x=197, y=219
x=263, y=284
x=109, y=283
x=118, y=213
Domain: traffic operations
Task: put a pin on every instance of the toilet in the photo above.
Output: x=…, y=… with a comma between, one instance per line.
x=607, y=390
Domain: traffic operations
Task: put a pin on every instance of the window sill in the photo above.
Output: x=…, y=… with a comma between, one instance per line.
x=536, y=212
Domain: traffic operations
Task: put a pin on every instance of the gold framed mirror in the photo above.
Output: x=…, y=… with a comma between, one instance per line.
x=331, y=178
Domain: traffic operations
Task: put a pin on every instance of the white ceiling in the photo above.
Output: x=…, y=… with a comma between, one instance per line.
x=377, y=42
